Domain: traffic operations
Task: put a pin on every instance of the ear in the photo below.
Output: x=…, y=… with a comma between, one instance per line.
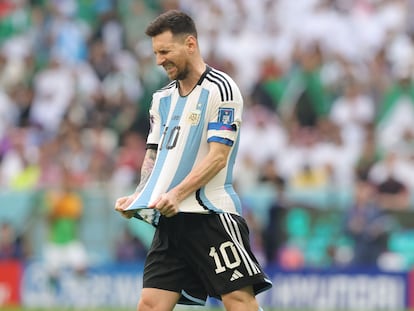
x=191, y=43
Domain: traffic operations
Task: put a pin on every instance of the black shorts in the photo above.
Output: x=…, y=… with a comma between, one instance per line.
x=200, y=255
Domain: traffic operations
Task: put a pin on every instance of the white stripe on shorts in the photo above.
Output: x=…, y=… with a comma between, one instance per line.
x=233, y=231
x=256, y=269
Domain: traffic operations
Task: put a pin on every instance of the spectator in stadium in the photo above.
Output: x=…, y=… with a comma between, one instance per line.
x=19, y=169
x=306, y=97
x=392, y=176
x=368, y=155
x=12, y=245
x=54, y=90
x=274, y=234
x=395, y=119
x=353, y=111
x=99, y=58
x=193, y=205
x=367, y=224
x=268, y=90
x=64, y=250
x=393, y=194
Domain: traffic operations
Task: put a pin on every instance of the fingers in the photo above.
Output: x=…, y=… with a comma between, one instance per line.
x=165, y=206
x=127, y=214
x=121, y=204
x=119, y=201
x=155, y=203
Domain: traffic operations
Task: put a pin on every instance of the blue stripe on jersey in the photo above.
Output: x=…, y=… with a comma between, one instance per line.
x=229, y=178
x=145, y=196
x=220, y=126
x=192, y=144
x=164, y=110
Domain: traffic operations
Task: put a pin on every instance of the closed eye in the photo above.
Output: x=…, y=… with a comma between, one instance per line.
x=161, y=52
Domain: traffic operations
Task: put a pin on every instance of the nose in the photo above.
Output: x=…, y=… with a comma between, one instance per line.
x=160, y=59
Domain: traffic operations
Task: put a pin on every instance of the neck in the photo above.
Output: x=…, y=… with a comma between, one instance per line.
x=194, y=74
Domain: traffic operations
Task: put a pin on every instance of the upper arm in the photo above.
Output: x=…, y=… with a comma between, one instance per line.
x=225, y=119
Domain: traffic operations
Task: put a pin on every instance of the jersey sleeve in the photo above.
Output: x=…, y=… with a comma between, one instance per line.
x=225, y=118
x=154, y=134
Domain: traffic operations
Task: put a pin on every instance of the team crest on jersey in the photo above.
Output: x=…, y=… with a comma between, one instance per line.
x=194, y=117
x=226, y=115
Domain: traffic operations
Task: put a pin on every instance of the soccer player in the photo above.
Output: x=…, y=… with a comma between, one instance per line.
x=201, y=243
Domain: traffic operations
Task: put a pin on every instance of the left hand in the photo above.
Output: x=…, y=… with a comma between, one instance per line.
x=122, y=203
x=166, y=204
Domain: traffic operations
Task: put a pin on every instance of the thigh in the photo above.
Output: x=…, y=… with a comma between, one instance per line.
x=157, y=299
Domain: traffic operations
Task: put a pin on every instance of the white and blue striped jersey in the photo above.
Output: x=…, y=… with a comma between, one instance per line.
x=182, y=128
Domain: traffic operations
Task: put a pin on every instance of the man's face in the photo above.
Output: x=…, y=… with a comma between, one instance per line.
x=171, y=53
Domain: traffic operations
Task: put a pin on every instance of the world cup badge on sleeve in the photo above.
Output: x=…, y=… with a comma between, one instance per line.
x=226, y=115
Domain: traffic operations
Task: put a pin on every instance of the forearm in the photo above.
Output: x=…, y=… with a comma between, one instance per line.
x=146, y=168
x=201, y=174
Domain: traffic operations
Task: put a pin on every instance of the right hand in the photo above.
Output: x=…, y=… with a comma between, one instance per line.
x=122, y=203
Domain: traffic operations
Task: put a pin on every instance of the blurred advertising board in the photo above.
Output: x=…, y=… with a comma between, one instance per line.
x=10, y=278
x=338, y=290
x=108, y=286
x=120, y=285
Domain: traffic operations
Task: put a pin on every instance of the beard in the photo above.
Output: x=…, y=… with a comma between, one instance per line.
x=180, y=74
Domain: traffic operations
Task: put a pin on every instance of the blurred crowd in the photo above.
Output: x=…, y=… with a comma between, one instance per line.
x=328, y=89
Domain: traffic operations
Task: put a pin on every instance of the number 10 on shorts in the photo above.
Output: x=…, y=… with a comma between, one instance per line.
x=222, y=259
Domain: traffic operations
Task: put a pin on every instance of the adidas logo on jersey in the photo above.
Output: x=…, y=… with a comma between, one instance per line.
x=236, y=275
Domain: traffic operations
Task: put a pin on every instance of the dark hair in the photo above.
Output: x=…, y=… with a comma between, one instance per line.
x=175, y=21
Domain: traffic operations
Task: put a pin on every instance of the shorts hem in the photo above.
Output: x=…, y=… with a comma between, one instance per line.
x=258, y=287
x=185, y=298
